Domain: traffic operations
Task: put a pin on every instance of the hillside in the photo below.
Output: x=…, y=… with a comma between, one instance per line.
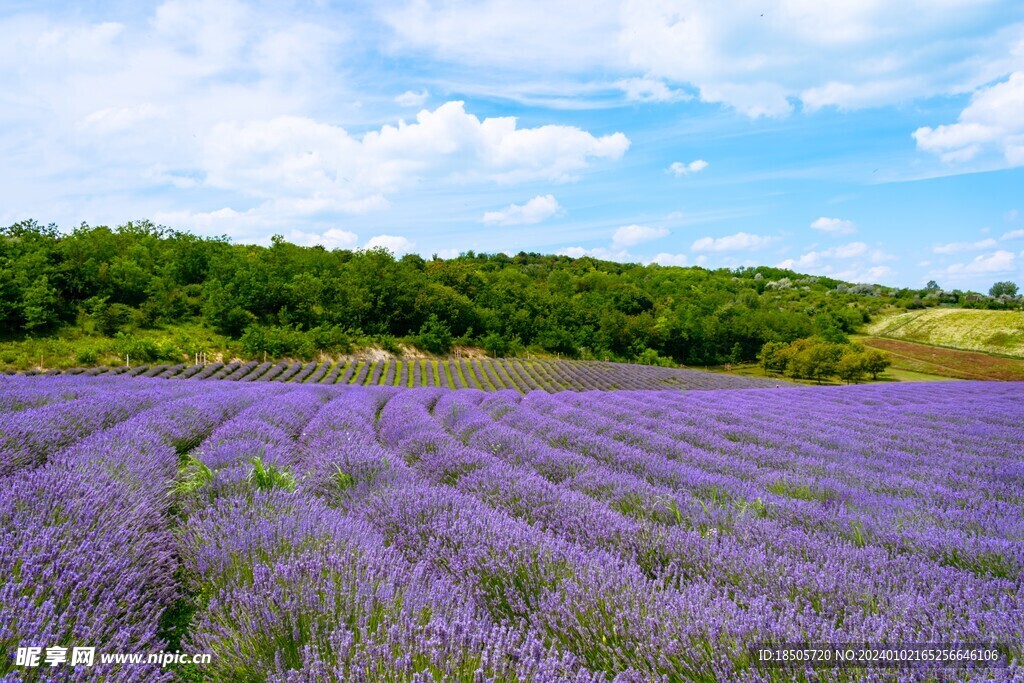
x=937, y=361
x=153, y=294
x=1000, y=332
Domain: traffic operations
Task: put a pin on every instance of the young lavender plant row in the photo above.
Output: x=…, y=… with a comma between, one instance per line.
x=307, y=532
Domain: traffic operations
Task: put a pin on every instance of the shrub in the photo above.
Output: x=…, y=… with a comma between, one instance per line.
x=651, y=357
x=87, y=356
x=434, y=336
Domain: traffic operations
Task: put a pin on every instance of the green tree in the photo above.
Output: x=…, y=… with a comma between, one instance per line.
x=1000, y=288
x=40, y=305
x=850, y=367
x=815, y=360
x=773, y=356
x=435, y=336
x=875, y=362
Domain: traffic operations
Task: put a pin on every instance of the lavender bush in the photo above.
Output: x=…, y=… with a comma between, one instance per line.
x=317, y=532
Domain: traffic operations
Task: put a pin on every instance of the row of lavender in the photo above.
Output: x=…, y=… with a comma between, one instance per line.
x=340, y=534
x=487, y=374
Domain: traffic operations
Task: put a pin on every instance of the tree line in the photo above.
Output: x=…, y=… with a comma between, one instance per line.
x=819, y=359
x=288, y=300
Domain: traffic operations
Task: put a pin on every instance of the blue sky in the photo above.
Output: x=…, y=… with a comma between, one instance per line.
x=868, y=140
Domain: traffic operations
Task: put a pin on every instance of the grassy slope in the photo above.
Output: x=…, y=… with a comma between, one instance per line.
x=76, y=347
x=1000, y=332
x=950, y=363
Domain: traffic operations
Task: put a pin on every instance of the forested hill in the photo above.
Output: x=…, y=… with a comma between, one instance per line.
x=288, y=300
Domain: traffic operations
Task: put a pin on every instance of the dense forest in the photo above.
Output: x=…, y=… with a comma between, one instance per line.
x=286, y=300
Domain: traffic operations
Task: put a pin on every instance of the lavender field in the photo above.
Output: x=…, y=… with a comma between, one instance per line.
x=304, y=532
x=486, y=374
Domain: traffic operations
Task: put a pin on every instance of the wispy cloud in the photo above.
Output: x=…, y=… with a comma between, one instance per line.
x=679, y=169
x=632, y=235
x=412, y=99
x=834, y=226
x=957, y=247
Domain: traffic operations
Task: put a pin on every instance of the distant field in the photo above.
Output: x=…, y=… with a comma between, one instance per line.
x=487, y=374
x=989, y=331
x=953, y=363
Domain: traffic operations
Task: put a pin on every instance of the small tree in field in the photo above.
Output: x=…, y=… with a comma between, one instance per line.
x=875, y=362
x=850, y=367
x=773, y=356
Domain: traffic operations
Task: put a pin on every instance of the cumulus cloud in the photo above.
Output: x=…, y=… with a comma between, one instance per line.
x=992, y=122
x=873, y=274
x=255, y=225
x=333, y=238
x=301, y=156
x=678, y=168
x=1013, y=235
x=854, y=262
x=413, y=99
x=1000, y=261
x=957, y=247
x=632, y=235
x=597, y=252
x=741, y=241
x=534, y=211
x=834, y=226
x=666, y=259
x=396, y=244
x=815, y=259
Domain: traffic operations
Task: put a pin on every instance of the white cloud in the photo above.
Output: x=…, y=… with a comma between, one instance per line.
x=874, y=274
x=1013, y=235
x=330, y=239
x=597, y=252
x=834, y=226
x=679, y=169
x=299, y=156
x=760, y=58
x=570, y=35
x=741, y=241
x=850, y=262
x=396, y=244
x=816, y=259
x=632, y=235
x=413, y=99
x=650, y=90
x=534, y=211
x=992, y=122
x=666, y=259
x=956, y=247
x=116, y=119
x=1000, y=261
